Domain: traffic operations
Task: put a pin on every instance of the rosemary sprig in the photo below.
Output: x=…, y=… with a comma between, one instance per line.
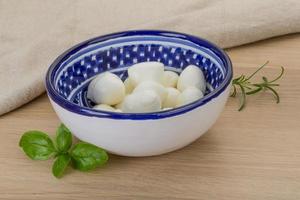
x=246, y=87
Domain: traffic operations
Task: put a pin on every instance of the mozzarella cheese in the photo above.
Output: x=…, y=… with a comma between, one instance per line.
x=106, y=88
x=104, y=107
x=141, y=102
x=191, y=76
x=146, y=71
x=171, y=99
x=189, y=95
x=152, y=86
x=170, y=79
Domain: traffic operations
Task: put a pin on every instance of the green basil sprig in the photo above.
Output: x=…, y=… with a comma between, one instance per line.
x=83, y=156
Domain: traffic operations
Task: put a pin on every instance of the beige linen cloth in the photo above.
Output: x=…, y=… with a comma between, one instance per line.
x=34, y=32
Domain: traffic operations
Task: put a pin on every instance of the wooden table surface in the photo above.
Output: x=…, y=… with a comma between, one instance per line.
x=253, y=154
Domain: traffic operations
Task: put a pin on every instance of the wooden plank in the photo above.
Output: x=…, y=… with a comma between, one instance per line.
x=253, y=154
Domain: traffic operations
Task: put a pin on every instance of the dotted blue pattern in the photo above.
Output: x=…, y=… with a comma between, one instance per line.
x=178, y=58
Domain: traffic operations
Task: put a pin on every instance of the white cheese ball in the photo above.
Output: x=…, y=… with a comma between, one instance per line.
x=141, y=102
x=90, y=91
x=128, y=85
x=171, y=99
x=152, y=86
x=189, y=95
x=106, y=88
x=191, y=76
x=146, y=71
x=119, y=105
x=104, y=107
x=170, y=79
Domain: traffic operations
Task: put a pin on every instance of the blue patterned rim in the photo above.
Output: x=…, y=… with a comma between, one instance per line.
x=72, y=107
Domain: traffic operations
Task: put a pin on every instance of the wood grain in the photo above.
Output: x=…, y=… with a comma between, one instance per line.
x=253, y=154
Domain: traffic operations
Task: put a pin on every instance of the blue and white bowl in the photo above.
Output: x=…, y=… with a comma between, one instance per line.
x=143, y=134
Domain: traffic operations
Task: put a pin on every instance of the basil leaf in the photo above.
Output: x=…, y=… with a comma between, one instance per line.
x=60, y=165
x=37, y=145
x=87, y=156
x=63, y=138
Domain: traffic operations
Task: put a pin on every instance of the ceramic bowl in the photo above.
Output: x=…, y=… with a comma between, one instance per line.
x=144, y=134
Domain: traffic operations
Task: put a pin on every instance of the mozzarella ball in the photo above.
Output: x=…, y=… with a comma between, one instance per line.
x=189, y=95
x=146, y=71
x=152, y=86
x=141, y=102
x=119, y=105
x=90, y=91
x=106, y=88
x=170, y=79
x=104, y=107
x=171, y=99
x=191, y=76
x=128, y=85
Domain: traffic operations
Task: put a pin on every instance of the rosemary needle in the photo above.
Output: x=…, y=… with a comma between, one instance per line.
x=247, y=87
